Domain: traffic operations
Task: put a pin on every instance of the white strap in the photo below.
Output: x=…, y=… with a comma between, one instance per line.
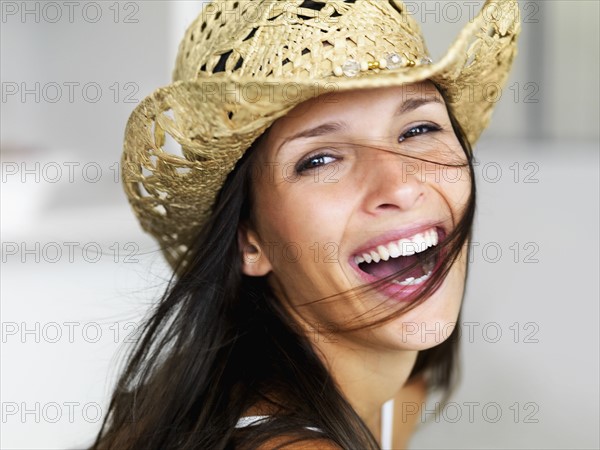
x=387, y=424
x=250, y=420
x=256, y=420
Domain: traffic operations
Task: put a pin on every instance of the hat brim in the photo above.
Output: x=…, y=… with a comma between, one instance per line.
x=215, y=119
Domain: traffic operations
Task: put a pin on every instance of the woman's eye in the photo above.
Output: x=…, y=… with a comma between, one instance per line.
x=314, y=161
x=418, y=130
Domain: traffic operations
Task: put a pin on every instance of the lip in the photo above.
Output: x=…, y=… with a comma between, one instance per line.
x=397, y=292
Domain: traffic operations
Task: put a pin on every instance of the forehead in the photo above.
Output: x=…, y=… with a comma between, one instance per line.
x=354, y=107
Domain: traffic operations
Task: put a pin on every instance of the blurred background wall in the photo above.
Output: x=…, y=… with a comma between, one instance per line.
x=77, y=271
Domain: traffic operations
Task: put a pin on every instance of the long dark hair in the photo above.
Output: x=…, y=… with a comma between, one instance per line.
x=218, y=342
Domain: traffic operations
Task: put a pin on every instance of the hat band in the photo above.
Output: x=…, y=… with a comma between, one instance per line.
x=391, y=61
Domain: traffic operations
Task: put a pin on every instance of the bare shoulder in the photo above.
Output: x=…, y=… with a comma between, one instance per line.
x=291, y=443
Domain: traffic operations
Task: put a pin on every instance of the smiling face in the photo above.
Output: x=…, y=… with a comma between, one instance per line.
x=351, y=187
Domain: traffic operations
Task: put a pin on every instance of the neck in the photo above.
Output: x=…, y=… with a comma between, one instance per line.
x=368, y=377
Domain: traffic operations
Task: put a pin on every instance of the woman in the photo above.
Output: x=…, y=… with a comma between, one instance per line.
x=316, y=221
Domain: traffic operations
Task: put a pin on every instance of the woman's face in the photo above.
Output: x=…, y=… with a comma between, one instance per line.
x=330, y=206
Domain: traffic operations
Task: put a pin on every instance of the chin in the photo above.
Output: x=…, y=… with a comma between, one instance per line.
x=433, y=321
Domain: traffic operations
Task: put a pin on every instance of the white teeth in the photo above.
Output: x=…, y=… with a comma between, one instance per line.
x=429, y=239
x=411, y=280
x=434, y=238
x=403, y=247
x=375, y=257
x=420, y=242
x=394, y=250
x=407, y=247
x=383, y=252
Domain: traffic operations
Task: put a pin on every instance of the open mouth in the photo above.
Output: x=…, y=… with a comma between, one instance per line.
x=397, y=255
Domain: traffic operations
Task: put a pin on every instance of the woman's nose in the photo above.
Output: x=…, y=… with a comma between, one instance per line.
x=392, y=183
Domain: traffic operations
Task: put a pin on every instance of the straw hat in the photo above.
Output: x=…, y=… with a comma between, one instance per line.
x=243, y=64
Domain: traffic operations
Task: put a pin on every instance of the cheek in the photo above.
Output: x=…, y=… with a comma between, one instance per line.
x=302, y=213
x=297, y=232
x=455, y=185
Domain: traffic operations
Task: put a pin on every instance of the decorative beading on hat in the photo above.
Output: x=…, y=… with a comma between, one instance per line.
x=391, y=61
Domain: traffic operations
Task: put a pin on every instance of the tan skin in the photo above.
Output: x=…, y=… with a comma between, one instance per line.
x=370, y=199
x=413, y=392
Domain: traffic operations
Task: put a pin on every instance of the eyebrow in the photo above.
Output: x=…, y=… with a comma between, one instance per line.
x=331, y=127
x=320, y=130
x=413, y=103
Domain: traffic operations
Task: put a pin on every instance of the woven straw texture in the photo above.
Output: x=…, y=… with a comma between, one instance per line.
x=242, y=65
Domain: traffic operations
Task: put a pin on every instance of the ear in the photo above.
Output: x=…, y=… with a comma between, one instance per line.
x=255, y=262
